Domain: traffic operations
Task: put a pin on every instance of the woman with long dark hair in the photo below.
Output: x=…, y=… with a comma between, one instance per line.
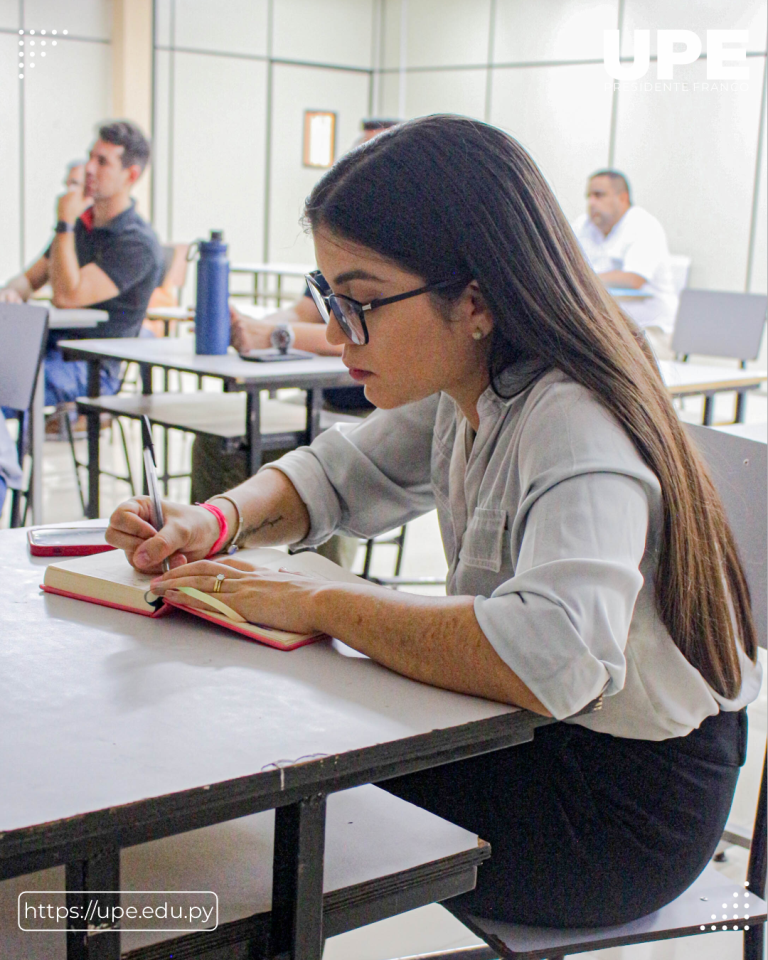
x=589, y=556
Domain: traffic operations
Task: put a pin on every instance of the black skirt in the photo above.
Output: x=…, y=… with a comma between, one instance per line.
x=587, y=829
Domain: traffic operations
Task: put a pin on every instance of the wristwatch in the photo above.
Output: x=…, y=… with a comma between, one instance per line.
x=282, y=337
x=63, y=227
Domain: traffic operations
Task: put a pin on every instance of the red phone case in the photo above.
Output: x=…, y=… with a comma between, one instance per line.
x=64, y=550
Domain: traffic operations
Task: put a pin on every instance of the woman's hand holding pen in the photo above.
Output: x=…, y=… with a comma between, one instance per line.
x=187, y=534
x=273, y=512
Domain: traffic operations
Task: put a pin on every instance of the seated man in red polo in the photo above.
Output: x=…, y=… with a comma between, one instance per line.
x=103, y=255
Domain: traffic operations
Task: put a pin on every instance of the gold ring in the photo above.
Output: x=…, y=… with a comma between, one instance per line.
x=220, y=578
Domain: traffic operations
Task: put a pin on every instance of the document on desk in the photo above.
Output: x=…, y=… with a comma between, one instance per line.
x=108, y=579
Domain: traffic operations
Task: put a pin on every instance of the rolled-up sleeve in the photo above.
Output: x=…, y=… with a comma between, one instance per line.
x=363, y=479
x=562, y=621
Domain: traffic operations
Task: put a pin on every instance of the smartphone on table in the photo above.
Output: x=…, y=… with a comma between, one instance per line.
x=65, y=541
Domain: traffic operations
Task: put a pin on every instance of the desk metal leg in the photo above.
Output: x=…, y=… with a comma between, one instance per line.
x=709, y=410
x=98, y=873
x=94, y=431
x=741, y=406
x=297, y=880
x=37, y=431
x=314, y=409
x=253, y=430
x=145, y=372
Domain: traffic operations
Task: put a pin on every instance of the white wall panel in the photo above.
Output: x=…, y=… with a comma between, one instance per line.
x=562, y=116
x=161, y=145
x=83, y=18
x=218, y=151
x=444, y=32
x=446, y=91
x=229, y=26
x=325, y=31
x=297, y=89
x=691, y=158
x=10, y=252
x=390, y=28
x=696, y=15
x=9, y=14
x=389, y=95
x=163, y=22
x=759, y=279
x=66, y=96
x=555, y=30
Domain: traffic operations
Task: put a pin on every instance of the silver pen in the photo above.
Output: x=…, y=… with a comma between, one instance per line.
x=150, y=472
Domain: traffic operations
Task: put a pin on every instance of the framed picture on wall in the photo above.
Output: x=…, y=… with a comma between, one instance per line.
x=319, y=138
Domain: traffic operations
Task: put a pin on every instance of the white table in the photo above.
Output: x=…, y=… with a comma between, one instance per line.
x=127, y=729
x=383, y=856
x=747, y=431
x=174, y=353
x=278, y=270
x=58, y=319
x=694, y=379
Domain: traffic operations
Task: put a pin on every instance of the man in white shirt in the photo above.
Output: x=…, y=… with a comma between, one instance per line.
x=627, y=247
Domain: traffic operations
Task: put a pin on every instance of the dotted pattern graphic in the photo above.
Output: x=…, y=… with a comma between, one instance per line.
x=741, y=915
x=34, y=44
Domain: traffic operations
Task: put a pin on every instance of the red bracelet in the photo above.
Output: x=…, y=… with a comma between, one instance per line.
x=223, y=528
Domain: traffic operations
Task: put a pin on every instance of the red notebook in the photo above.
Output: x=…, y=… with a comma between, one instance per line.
x=108, y=579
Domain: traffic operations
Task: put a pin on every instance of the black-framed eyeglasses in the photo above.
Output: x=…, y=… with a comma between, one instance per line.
x=349, y=313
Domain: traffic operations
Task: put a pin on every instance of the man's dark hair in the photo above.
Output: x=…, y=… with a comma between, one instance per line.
x=619, y=181
x=377, y=123
x=127, y=135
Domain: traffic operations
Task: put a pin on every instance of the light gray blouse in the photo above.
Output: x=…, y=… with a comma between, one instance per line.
x=550, y=520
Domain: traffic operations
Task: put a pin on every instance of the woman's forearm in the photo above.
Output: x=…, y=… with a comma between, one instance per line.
x=273, y=513
x=436, y=640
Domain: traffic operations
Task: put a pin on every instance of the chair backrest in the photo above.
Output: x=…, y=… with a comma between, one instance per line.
x=23, y=330
x=739, y=469
x=680, y=266
x=720, y=324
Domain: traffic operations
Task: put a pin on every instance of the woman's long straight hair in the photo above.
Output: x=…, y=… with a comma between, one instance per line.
x=445, y=195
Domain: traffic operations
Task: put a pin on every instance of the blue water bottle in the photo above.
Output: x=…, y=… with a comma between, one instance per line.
x=212, y=307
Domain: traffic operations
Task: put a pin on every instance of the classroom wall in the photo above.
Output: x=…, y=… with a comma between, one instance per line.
x=48, y=118
x=536, y=69
x=232, y=79
x=230, y=95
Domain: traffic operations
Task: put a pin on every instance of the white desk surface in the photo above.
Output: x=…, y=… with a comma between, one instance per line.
x=178, y=353
x=103, y=707
x=697, y=378
x=253, y=310
x=170, y=313
x=286, y=269
x=218, y=414
x=79, y=318
x=748, y=431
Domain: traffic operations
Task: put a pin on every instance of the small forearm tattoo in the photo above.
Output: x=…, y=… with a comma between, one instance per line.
x=265, y=524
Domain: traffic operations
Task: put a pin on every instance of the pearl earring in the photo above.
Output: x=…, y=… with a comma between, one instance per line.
x=478, y=335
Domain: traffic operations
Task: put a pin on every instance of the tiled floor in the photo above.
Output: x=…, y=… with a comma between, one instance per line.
x=431, y=928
